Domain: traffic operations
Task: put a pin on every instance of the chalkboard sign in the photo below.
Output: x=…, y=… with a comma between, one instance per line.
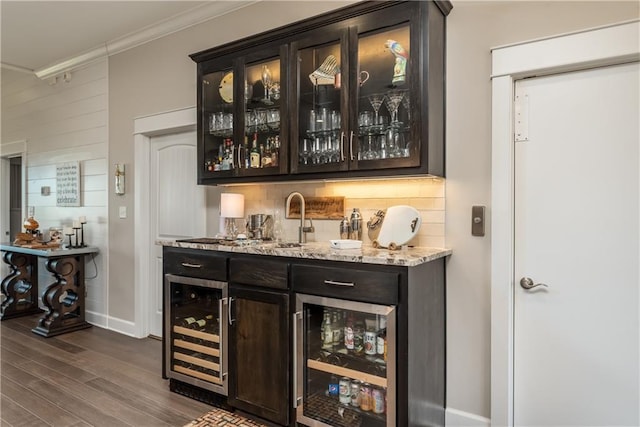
x=68, y=184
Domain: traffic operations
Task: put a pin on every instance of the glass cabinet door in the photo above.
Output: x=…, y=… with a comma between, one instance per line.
x=320, y=118
x=346, y=363
x=196, y=331
x=384, y=101
x=217, y=121
x=263, y=148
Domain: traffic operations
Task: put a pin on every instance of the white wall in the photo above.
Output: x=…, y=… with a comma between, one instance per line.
x=64, y=122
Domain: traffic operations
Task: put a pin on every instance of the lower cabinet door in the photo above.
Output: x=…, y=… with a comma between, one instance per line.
x=259, y=353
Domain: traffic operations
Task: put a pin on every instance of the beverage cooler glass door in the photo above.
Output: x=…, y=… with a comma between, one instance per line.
x=344, y=362
x=196, y=331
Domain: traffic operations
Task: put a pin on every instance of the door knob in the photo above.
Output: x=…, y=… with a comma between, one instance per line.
x=527, y=283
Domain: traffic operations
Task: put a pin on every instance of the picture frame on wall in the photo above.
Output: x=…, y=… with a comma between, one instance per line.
x=68, y=184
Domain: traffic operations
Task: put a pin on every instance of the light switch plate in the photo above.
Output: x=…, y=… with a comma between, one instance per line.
x=477, y=220
x=122, y=212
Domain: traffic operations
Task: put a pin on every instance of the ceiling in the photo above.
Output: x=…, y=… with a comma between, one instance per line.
x=38, y=34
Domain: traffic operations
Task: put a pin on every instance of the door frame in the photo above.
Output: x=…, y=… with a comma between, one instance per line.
x=603, y=46
x=145, y=128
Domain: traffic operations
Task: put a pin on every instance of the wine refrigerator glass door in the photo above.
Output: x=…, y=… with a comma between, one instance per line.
x=196, y=331
x=344, y=362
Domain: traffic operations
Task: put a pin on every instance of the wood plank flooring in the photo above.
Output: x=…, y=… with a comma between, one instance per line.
x=92, y=377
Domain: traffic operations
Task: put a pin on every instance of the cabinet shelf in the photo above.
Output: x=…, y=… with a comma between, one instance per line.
x=198, y=361
x=197, y=374
x=206, y=336
x=196, y=347
x=346, y=372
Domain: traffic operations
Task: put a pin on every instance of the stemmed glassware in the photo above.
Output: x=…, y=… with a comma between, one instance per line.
x=392, y=101
x=407, y=105
x=267, y=79
x=376, y=100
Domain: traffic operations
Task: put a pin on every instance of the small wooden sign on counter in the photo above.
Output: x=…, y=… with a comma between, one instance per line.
x=318, y=208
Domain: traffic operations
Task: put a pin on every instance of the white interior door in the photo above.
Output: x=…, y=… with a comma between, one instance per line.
x=576, y=351
x=177, y=206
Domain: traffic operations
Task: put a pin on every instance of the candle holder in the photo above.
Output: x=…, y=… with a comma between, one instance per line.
x=82, y=245
x=76, y=233
x=69, y=234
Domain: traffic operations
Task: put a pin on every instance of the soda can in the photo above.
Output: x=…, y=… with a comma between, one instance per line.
x=345, y=390
x=377, y=395
x=365, y=397
x=370, y=342
x=355, y=393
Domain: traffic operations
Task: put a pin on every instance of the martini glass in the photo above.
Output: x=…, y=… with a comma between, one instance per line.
x=392, y=101
x=376, y=100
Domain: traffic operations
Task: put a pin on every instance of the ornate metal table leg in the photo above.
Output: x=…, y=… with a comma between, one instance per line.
x=64, y=299
x=20, y=287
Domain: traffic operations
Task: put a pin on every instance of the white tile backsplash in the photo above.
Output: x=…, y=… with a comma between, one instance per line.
x=427, y=195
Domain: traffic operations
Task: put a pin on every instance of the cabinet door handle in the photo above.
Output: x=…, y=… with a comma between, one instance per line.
x=229, y=312
x=189, y=265
x=351, y=145
x=238, y=165
x=335, y=283
x=342, y=146
x=296, y=399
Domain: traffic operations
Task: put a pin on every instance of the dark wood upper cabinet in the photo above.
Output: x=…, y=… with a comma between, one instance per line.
x=355, y=92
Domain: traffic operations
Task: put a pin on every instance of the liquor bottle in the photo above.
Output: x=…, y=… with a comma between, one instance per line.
x=265, y=154
x=247, y=162
x=255, y=154
x=231, y=153
x=275, y=151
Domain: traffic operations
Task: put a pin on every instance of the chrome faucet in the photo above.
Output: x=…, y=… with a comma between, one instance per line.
x=302, y=231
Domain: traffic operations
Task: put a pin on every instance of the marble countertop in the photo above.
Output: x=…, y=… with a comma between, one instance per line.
x=48, y=253
x=321, y=251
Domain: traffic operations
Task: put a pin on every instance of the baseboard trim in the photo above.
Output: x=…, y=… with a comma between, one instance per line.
x=115, y=324
x=457, y=418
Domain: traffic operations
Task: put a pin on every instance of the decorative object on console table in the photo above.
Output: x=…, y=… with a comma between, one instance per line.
x=231, y=208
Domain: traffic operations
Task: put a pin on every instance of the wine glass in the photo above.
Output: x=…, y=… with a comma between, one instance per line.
x=392, y=101
x=267, y=79
x=376, y=100
x=407, y=105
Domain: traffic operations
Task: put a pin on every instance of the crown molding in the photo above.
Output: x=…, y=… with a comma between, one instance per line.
x=189, y=18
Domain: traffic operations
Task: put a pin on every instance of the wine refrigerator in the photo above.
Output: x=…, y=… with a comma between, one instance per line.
x=196, y=332
x=344, y=358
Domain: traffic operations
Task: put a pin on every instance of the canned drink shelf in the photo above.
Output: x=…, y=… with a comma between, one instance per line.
x=346, y=372
x=328, y=410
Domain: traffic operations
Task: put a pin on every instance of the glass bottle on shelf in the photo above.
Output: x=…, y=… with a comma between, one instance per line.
x=255, y=153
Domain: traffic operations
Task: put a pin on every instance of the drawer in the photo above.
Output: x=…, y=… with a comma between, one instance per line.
x=379, y=287
x=195, y=263
x=266, y=272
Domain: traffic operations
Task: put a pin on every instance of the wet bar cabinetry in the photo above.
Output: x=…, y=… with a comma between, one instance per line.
x=352, y=93
x=284, y=366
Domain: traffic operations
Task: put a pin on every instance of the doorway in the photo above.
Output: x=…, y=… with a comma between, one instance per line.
x=564, y=189
x=167, y=129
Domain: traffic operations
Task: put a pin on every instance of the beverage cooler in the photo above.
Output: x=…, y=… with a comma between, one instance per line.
x=344, y=362
x=196, y=332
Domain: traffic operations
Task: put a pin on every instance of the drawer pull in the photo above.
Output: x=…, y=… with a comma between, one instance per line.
x=186, y=264
x=333, y=282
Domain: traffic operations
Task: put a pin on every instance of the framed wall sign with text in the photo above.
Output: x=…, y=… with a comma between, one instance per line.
x=68, y=184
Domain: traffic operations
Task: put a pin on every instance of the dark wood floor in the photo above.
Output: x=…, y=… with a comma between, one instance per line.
x=93, y=377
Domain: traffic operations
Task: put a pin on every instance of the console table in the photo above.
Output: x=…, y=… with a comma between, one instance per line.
x=63, y=299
